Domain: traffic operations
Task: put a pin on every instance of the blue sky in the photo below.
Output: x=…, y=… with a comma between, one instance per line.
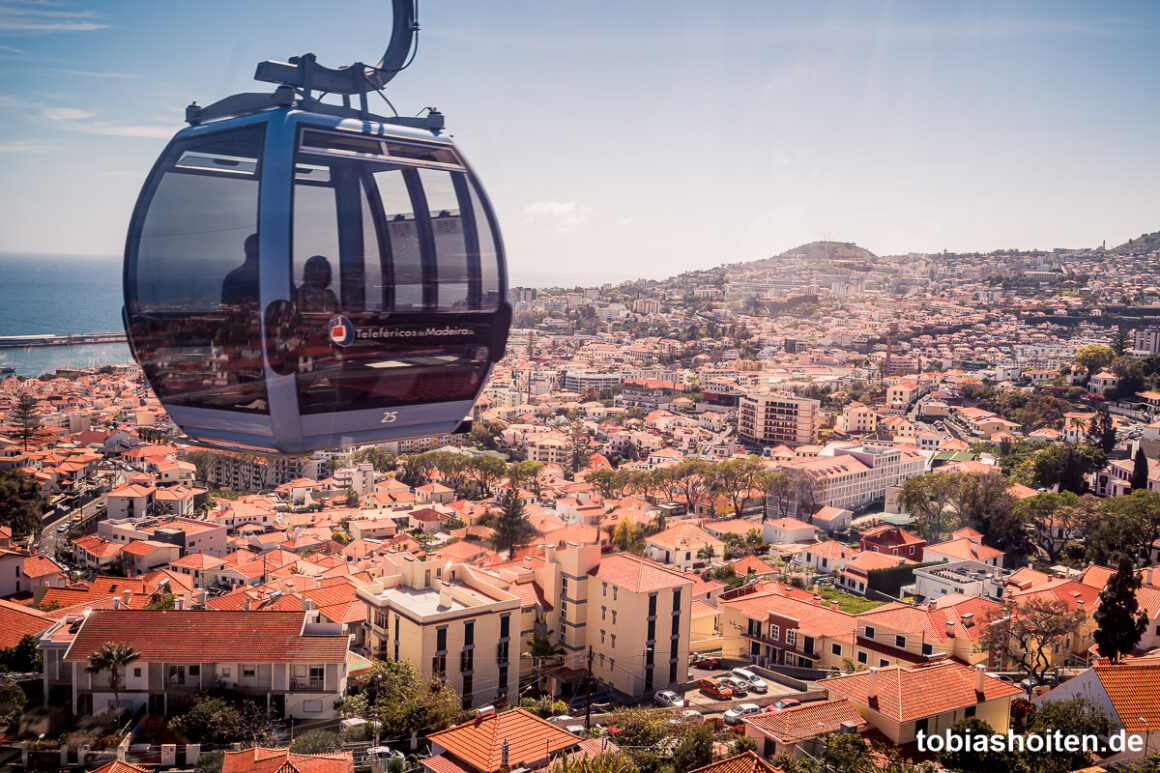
x=645, y=138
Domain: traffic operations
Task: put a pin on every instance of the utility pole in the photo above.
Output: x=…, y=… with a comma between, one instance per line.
x=588, y=692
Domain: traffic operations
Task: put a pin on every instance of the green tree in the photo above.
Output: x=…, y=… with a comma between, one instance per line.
x=577, y=444
x=1075, y=717
x=511, y=524
x=211, y=762
x=166, y=601
x=1139, y=478
x=933, y=500
x=405, y=703
x=628, y=536
x=379, y=458
x=1094, y=358
x=12, y=700
x=22, y=657
x=969, y=760
x=485, y=472
x=524, y=474
x=848, y=753
x=1102, y=432
x=1026, y=635
x=211, y=719
x=317, y=742
x=1121, y=341
x=544, y=706
x=112, y=657
x=351, y=498
x=25, y=417
x=695, y=748
x=21, y=503
x=1124, y=525
x=203, y=463
x=1067, y=466
x=606, y=762
x=1120, y=621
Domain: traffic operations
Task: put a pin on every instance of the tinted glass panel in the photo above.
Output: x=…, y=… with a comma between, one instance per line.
x=193, y=275
x=402, y=237
x=447, y=230
x=430, y=153
x=491, y=286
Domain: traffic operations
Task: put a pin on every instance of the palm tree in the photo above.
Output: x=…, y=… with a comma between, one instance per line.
x=112, y=657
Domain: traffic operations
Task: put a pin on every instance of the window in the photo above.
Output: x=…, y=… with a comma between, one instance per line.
x=467, y=660
x=604, y=613
x=604, y=589
x=317, y=673
x=504, y=626
x=312, y=707
x=921, y=725
x=790, y=636
x=774, y=631
x=861, y=657
x=440, y=639
x=137, y=672
x=602, y=634
x=883, y=662
x=869, y=632
x=900, y=641
x=501, y=652
x=193, y=291
x=677, y=601
x=225, y=672
x=613, y=641
x=563, y=586
x=969, y=712
x=652, y=604
x=195, y=670
x=614, y=617
x=614, y=597
x=927, y=649
x=836, y=649
x=249, y=672
x=469, y=633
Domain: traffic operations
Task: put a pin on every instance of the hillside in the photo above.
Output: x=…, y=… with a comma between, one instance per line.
x=820, y=252
x=1145, y=244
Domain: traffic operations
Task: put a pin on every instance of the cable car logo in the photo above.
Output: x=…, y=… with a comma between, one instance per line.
x=341, y=331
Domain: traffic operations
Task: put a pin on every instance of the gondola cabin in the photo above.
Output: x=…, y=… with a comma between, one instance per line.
x=297, y=281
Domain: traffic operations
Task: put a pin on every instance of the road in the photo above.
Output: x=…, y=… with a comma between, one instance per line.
x=50, y=537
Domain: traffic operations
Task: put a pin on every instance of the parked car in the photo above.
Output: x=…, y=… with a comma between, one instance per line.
x=707, y=663
x=740, y=687
x=784, y=703
x=716, y=688
x=691, y=713
x=733, y=716
x=580, y=701
x=669, y=699
x=756, y=683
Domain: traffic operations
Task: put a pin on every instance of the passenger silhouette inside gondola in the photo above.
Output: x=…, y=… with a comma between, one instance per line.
x=240, y=287
x=314, y=294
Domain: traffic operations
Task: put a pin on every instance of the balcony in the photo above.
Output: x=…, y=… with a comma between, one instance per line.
x=306, y=685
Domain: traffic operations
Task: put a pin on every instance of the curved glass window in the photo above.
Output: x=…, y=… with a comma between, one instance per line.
x=193, y=280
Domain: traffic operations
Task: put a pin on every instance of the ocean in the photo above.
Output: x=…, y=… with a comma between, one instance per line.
x=63, y=294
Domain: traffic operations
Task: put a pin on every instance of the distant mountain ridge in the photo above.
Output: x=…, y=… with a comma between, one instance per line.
x=1146, y=243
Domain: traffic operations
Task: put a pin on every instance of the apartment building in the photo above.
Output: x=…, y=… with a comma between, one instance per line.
x=297, y=667
x=450, y=623
x=773, y=629
x=951, y=627
x=190, y=535
x=246, y=472
x=579, y=380
x=851, y=477
x=770, y=418
x=859, y=419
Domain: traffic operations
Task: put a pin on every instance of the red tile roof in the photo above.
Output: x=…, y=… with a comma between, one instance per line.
x=1132, y=690
x=208, y=636
x=16, y=621
x=259, y=760
x=809, y=720
x=907, y=694
x=746, y=762
x=636, y=574
x=479, y=741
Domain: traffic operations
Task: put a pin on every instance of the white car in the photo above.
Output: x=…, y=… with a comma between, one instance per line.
x=756, y=683
x=733, y=716
x=669, y=699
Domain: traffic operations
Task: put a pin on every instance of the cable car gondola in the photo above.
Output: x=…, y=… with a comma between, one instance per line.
x=302, y=275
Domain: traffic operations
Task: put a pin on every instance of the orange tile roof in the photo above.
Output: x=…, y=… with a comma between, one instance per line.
x=208, y=636
x=1132, y=689
x=964, y=549
x=809, y=720
x=813, y=619
x=17, y=620
x=931, y=622
x=746, y=762
x=636, y=574
x=259, y=760
x=119, y=766
x=907, y=694
x=479, y=741
x=40, y=566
